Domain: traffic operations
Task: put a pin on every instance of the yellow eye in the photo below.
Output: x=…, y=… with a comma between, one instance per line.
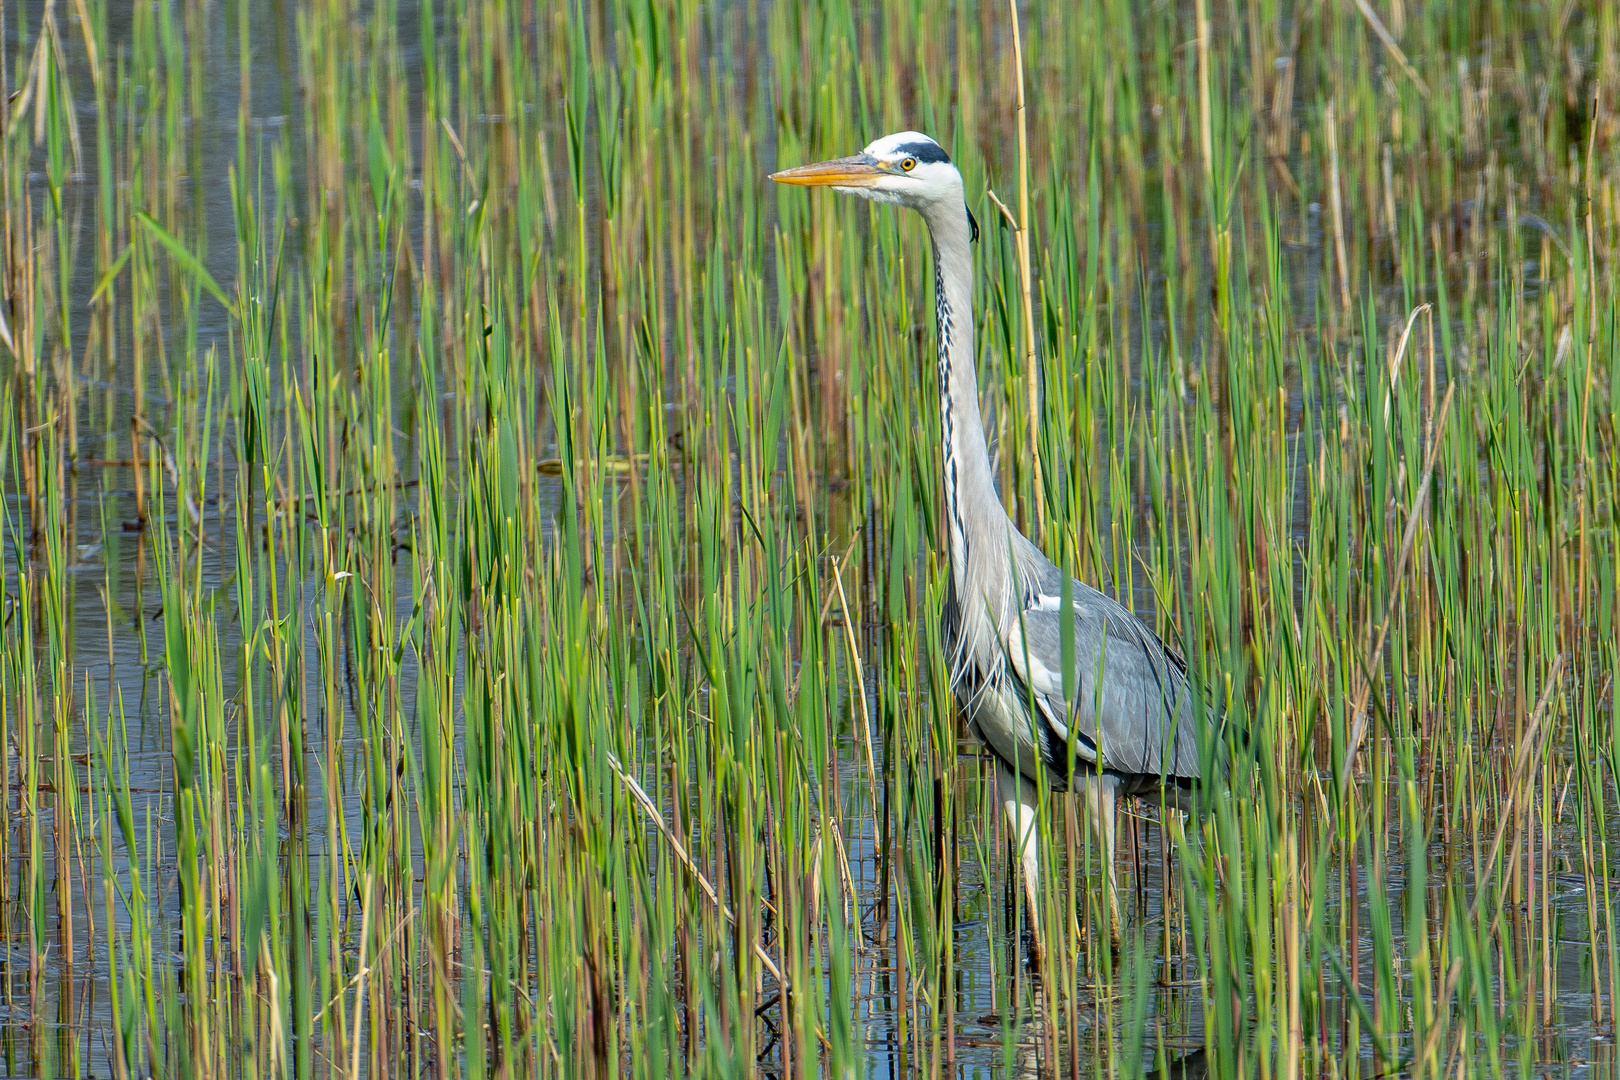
x=909, y=164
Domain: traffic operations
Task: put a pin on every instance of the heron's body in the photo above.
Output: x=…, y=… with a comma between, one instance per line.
x=1129, y=720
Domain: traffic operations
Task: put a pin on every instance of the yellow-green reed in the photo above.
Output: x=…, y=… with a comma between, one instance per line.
x=473, y=554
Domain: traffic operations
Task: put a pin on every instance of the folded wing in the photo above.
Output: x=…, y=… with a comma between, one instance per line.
x=1130, y=703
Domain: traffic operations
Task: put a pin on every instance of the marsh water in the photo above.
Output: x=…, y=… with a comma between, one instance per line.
x=67, y=931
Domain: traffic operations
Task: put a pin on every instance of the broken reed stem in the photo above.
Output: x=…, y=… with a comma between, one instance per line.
x=1392, y=47
x=858, y=690
x=1358, y=712
x=1400, y=353
x=651, y=808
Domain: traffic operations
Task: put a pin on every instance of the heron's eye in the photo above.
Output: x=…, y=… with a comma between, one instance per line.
x=909, y=164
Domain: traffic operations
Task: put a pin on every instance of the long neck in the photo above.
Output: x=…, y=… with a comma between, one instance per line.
x=974, y=512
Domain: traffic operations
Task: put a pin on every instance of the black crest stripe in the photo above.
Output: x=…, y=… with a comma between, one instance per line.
x=925, y=152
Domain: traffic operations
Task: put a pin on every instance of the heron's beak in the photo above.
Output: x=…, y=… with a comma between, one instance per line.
x=857, y=171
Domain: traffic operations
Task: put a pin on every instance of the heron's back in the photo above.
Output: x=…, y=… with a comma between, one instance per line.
x=1130, y=708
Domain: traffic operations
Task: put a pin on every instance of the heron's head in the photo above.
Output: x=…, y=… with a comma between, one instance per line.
x=907, y=169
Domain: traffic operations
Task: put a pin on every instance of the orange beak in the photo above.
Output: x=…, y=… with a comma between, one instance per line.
x=857, y=171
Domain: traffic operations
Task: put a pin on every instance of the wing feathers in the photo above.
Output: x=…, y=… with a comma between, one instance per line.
x=1131, y=702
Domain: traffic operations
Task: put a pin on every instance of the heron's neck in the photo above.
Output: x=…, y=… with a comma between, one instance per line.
x=974, y=512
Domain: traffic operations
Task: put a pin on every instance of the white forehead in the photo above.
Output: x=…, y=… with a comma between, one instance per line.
x=901, y=143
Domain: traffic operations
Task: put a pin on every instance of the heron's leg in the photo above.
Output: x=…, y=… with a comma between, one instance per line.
x=1102, y=792
x=1018, y=798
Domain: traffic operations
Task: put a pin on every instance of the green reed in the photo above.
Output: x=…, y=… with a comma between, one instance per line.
x=473, y=550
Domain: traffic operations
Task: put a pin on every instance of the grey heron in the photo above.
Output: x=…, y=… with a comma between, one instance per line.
x=1130, y=710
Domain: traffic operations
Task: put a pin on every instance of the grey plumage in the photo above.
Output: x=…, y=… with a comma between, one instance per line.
x=1130, y=709
x=1131, y=713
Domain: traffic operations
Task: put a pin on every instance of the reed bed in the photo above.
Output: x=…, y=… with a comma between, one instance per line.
x=472, y=548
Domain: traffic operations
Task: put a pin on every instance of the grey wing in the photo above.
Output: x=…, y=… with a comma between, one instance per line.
x=1130, y=705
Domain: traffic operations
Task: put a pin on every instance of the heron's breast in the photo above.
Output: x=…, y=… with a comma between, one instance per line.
x=999, y=715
